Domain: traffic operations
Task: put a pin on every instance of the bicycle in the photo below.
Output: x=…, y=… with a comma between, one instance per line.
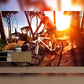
x=39, y=51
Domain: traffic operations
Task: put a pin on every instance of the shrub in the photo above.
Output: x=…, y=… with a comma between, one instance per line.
x=2, y=44
x=18, y=46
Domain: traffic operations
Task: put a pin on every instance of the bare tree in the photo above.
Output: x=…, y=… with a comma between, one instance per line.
x=29, y=22
x=8, y=16
x=3, y=36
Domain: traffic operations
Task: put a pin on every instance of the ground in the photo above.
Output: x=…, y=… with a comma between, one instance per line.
x=70, y=57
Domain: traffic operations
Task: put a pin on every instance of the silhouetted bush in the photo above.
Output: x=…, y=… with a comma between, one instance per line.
x=2, y=44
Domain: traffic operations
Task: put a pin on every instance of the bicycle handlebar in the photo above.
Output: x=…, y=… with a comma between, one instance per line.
x=40, y=33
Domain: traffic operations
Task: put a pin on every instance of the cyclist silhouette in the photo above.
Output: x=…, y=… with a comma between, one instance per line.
x=48, y=25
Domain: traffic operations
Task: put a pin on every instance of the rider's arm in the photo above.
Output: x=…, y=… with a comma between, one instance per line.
x=45, y=26
x=38, y=27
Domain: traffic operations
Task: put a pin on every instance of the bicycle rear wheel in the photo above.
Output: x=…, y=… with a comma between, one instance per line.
x=59, y=50
x=59, y=47
x=56, y=55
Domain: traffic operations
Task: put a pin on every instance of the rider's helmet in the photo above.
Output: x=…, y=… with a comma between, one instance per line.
x=41, y=13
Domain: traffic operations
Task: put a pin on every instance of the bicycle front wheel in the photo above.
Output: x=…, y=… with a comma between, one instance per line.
x=37, y=55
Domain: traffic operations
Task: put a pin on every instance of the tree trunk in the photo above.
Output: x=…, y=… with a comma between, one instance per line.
x=22, y=8
x=73, y=20
x=77, y=20
x=72, y=27
x=10, y=30
x=59, y=5
x=36, y=21
x=29, y=23
x=82, y=25
x=3, y=36
x=54, y=17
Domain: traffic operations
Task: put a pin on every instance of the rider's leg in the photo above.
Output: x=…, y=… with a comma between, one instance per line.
x=53, y=37
x=46, y=35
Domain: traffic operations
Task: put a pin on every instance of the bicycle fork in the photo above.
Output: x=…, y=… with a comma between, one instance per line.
x=37, y=49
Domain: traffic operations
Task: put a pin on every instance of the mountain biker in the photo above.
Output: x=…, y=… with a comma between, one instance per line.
x=48, y=25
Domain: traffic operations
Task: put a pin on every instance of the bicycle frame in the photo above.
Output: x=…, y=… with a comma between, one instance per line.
x=40, y=40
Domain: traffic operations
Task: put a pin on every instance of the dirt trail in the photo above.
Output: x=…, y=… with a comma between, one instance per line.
x=12, y=46
x=69, y=57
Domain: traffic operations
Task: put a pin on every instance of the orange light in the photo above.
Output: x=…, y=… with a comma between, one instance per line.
x=67, y=5
x=62, y=22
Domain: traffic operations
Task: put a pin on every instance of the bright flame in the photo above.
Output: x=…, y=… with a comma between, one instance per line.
x=62, y=22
